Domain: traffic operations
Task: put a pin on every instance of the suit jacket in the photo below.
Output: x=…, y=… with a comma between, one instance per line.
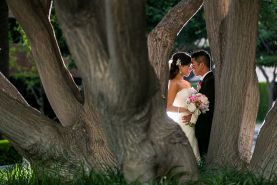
x=204, y=122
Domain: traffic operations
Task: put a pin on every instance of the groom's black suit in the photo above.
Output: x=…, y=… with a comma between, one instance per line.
x=204, y=122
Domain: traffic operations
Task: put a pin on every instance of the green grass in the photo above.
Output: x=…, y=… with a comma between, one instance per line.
x=231, y=177
x=21, y=176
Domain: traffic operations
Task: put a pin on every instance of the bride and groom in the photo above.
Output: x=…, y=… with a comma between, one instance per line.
x=179, y=90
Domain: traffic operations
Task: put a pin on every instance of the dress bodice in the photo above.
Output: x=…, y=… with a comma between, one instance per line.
x=182, y=95
x=179, y=101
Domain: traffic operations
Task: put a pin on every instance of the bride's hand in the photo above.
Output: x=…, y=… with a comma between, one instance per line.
x=186, y=118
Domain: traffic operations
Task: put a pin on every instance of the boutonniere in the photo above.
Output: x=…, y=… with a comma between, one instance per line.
x=199, y=84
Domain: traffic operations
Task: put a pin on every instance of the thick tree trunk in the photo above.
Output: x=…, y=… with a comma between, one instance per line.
x=4, y=39
x=114, y=61
x=121, y=120
x=232, y=31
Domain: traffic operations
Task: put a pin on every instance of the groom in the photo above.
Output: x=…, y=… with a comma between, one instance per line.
x=201, y=62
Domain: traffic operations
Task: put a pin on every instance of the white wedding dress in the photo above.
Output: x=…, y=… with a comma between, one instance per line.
x=179, y=101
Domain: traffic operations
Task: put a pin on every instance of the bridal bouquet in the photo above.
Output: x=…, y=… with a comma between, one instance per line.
x=196, y=103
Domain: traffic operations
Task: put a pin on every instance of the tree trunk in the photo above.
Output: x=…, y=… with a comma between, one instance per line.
x=264, y=160
x=4, y=39
x=120, y=120
x=232, y=31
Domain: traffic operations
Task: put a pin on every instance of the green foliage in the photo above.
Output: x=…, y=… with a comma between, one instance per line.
x=59, y=34
x=267, y=38
x=21, y=52
x=263, y=106
x=156, y=10
x=194, y=34
x=191, y=33
x=267, y=60
x=20, y=61
x=24, y=40
x=8, y=155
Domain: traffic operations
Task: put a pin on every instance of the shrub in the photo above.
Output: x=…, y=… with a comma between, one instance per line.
x=263, y=106
x=8, y=155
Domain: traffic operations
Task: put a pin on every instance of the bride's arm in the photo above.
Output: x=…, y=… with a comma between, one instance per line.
x=172, y=91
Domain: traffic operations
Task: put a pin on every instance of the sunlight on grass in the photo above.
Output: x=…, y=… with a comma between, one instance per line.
x=25, y=176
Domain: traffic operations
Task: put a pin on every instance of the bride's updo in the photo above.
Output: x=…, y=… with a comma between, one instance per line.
x=177, y=59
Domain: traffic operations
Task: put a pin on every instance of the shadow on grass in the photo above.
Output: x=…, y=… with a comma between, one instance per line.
x=20, y=175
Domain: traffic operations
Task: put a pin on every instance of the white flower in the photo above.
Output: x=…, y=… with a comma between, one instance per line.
x=191, y=107
x=178, y=62
x=169, y=63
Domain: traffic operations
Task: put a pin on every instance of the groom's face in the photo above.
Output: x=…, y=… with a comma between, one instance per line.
x=196, y=68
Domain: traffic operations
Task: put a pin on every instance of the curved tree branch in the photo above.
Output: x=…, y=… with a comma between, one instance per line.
x=264, y=157
x=161, y=39
x=43, y=141
x=7, y=86
x=61, y=91
x=21, y=123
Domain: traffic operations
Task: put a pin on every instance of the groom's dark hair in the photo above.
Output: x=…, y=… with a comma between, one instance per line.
x=202, y=53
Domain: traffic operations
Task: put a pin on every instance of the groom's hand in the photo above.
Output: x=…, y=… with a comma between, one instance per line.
x=186, y=119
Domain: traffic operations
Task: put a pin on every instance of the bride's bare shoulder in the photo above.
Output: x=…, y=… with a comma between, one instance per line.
x=186, y=84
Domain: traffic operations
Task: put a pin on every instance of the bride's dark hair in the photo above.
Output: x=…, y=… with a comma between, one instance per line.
x=179, y=58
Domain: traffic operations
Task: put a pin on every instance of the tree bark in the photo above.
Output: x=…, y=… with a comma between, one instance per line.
x=264, y=160
x=116, y=49
x=232, y=31
x=4, y=39
x=66, y=99
x=121, y=117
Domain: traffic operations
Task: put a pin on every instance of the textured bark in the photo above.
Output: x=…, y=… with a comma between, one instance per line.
x=4, y=39
x=232, y=31
x=46, y=6
x=65, y=99
x=119, y=73
x=91, y=151
x=120, y=121
x=162, y=37
x=264, y=160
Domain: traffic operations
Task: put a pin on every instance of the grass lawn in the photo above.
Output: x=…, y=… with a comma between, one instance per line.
x=21, y=176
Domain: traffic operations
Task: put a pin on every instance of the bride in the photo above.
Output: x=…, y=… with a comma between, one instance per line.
x=178, y=91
